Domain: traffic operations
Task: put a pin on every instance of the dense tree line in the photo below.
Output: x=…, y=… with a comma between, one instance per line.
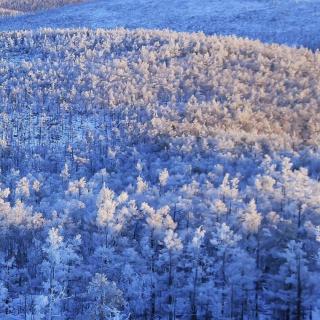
x=157, y=175
x=12, y=7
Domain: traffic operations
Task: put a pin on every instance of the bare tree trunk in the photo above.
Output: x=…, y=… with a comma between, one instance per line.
x=299, y=292
x=193, y=301
x=257, y=284
x=223, y=285
x=170, y=282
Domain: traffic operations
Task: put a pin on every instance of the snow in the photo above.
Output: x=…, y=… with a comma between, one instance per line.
x=291, y=22
x=160, y=174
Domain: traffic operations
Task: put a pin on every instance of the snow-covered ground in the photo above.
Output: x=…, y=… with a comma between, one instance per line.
x=289, y=21
x=158, y=174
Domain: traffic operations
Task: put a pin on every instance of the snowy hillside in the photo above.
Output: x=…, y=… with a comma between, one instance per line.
x=294, y=22
x=158, y=175
x=233, y=82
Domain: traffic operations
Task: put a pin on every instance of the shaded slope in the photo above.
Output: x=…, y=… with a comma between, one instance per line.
x=291, y=22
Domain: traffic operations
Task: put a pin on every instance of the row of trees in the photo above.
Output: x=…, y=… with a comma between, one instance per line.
x=9, y=7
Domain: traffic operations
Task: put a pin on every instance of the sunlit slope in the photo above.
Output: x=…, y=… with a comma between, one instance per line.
x=61, y=86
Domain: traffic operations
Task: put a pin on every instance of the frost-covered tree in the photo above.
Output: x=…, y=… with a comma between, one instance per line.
x=60, y=261
x=157, y=175
x=107, y=299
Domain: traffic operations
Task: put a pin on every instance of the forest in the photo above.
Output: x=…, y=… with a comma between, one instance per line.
x=158, y=175
x=14, y=7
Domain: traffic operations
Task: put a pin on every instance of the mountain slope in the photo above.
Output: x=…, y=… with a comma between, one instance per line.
x=169, y=84
x=291, y=22
x=159, y=175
